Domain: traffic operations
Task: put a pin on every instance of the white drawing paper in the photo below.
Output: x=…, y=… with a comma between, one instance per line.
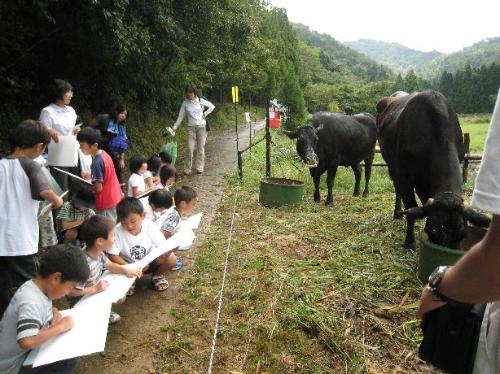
x=192, y=222
x=73, y=176
x=64, y=152
x=87, y=336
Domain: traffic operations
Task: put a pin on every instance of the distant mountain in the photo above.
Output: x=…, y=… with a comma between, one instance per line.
x=429, y=64
x=397, y=56
x=485, y=52
x=343, y=62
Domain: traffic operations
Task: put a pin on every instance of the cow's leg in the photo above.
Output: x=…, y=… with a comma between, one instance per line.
x=316, y=178
x=409, y=202
x=398, y=212
x=368, y=173
x=330, y=180
x=356, y=168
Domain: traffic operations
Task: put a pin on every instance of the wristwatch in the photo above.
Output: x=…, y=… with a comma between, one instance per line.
x=435, y=279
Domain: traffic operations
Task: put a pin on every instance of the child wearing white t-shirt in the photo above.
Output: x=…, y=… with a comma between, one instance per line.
x=185, y=199
x=136, y=184
x=135, y=238
x=157, y=205
x=167, y=177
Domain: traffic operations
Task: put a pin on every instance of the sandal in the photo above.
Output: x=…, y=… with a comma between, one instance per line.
x=131, y=290
x=160, y=283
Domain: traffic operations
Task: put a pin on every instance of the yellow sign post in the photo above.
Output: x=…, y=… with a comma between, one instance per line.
x=234, y=94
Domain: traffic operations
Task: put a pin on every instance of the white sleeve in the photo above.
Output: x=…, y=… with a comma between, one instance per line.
x=207, y=104
x=115, y=249
x=45, y=118
x=180, y=117
x=486, y=195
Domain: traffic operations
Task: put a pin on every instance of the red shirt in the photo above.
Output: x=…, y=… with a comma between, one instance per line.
x=103, y=171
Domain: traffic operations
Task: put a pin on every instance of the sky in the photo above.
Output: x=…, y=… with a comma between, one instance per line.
x=443, y=25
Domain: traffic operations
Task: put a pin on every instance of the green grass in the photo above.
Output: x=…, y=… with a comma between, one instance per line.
x=477, y=126
x=310, y=289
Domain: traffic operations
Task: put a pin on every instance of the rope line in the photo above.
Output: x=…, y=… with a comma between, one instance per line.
x=223, y=283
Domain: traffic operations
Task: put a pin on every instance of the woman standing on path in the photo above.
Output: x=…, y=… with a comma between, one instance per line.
x=60, y=120
x=197, y=110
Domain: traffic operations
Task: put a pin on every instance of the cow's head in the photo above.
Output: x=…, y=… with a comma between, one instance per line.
x=307, y=143
x=447, y=218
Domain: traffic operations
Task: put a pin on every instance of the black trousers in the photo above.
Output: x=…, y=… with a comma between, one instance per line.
x=14, y=271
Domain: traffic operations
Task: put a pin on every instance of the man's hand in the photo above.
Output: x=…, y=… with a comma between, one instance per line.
x=121, y=163
x=428, y=302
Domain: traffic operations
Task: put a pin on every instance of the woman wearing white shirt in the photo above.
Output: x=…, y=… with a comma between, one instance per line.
x=197, y=110
x=60, y=119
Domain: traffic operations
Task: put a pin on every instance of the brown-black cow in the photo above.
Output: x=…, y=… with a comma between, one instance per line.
x=333, y=139
x=421, y=141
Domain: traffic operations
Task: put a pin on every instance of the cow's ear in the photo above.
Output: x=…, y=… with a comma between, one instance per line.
x=383, y=103
x=291, y=134
x=417, y=212
x=318, y=128
x=476, y=218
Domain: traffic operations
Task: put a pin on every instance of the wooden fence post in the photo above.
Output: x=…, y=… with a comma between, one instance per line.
x=465, y=167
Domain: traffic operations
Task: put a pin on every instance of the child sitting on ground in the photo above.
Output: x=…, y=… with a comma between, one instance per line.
x=73, y=213
x=151, y=177
x=157, y=205
x=167, y=177
x=166, y=158
x=106, y=186
x=185, y=202
x=98, y=234
x=30, y=320
x=135, y=238
x=136, y=184
x=22, y=186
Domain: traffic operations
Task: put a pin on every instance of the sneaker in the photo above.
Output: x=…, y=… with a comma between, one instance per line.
x=114, y=318
x=178, y=264
x=199, y=171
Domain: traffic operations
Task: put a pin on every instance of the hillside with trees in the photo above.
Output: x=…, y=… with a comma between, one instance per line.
x=485, y=52
x=397, y=56
x=144, y=53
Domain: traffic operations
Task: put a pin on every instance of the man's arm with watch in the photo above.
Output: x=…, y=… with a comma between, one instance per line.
x=474, y=279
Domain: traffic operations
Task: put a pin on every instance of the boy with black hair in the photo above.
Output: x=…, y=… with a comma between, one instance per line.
x=135, y=238
x=158, y=204
x=185, y=199
x=73, y=213
x=167, y=177
x=106, y=186
x=98, y=234
x=22, y=186
x=166, y=158
x=30, y=320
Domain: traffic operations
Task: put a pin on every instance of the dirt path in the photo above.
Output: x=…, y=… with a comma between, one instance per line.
x=132, y=344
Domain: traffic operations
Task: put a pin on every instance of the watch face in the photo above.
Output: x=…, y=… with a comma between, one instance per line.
x=437, y=274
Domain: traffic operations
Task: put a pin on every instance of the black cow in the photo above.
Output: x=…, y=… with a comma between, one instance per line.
x=421, y=142
x=333, y=139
